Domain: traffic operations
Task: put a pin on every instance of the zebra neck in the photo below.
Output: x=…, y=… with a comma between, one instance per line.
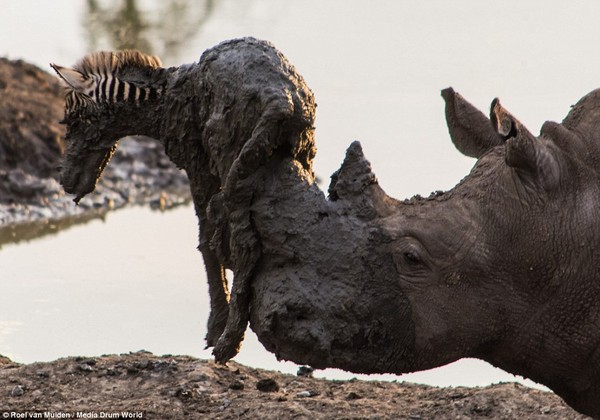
x=111, y=89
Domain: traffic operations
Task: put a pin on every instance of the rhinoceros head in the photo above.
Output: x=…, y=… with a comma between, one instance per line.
x=503, y=267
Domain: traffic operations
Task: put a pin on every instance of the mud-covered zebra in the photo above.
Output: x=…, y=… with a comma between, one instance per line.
x=220, y=120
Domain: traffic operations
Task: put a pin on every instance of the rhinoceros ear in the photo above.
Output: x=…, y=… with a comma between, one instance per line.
x=469, y=128
x=533, y=160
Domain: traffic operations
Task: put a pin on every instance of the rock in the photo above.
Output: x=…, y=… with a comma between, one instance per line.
x=267, y=385
x=183, y=393
x=353, y=396
x=17, y=391
x=40, y=212
x=307, y=394
x=140, y=167
x=237, y=385
x=84, y=367
x=133, y=369
x=306, y=371
x=144, y=364
x=119, y=174
x=112, y=372
x=226, y=403
x=161, y=365
x=198, y=377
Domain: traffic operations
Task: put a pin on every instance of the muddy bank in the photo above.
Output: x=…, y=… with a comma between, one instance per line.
x=32, y=201
x=177, y=387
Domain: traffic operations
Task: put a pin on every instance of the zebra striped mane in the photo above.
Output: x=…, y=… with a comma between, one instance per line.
x=108, y=77
x=108, y=62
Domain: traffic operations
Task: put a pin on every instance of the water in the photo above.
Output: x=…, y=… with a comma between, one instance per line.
x=376, y=69
x=136, y=282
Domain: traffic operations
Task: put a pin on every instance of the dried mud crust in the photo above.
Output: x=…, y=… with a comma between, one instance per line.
x=178, y=387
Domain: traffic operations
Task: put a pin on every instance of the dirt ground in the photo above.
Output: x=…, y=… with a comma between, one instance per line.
x=141, y=385
x=31, y=105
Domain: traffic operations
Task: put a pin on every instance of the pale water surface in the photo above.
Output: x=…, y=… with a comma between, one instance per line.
x=376, y=69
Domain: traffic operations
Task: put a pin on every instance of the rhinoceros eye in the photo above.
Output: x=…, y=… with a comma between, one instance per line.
x=412, y=258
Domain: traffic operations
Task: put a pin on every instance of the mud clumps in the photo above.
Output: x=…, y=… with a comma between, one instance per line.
x=176, y=387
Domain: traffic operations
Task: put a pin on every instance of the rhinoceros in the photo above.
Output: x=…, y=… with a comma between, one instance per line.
x=504, y=267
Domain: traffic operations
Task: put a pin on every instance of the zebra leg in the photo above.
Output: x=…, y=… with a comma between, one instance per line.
x=217, y=290
x=215, y=269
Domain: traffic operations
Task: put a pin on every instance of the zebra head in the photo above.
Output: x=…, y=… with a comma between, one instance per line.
x=105, y=92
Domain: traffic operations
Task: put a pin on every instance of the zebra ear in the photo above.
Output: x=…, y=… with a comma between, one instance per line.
x=71, y=78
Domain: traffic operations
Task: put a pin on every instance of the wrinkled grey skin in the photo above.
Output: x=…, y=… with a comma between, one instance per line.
x=503, y=267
